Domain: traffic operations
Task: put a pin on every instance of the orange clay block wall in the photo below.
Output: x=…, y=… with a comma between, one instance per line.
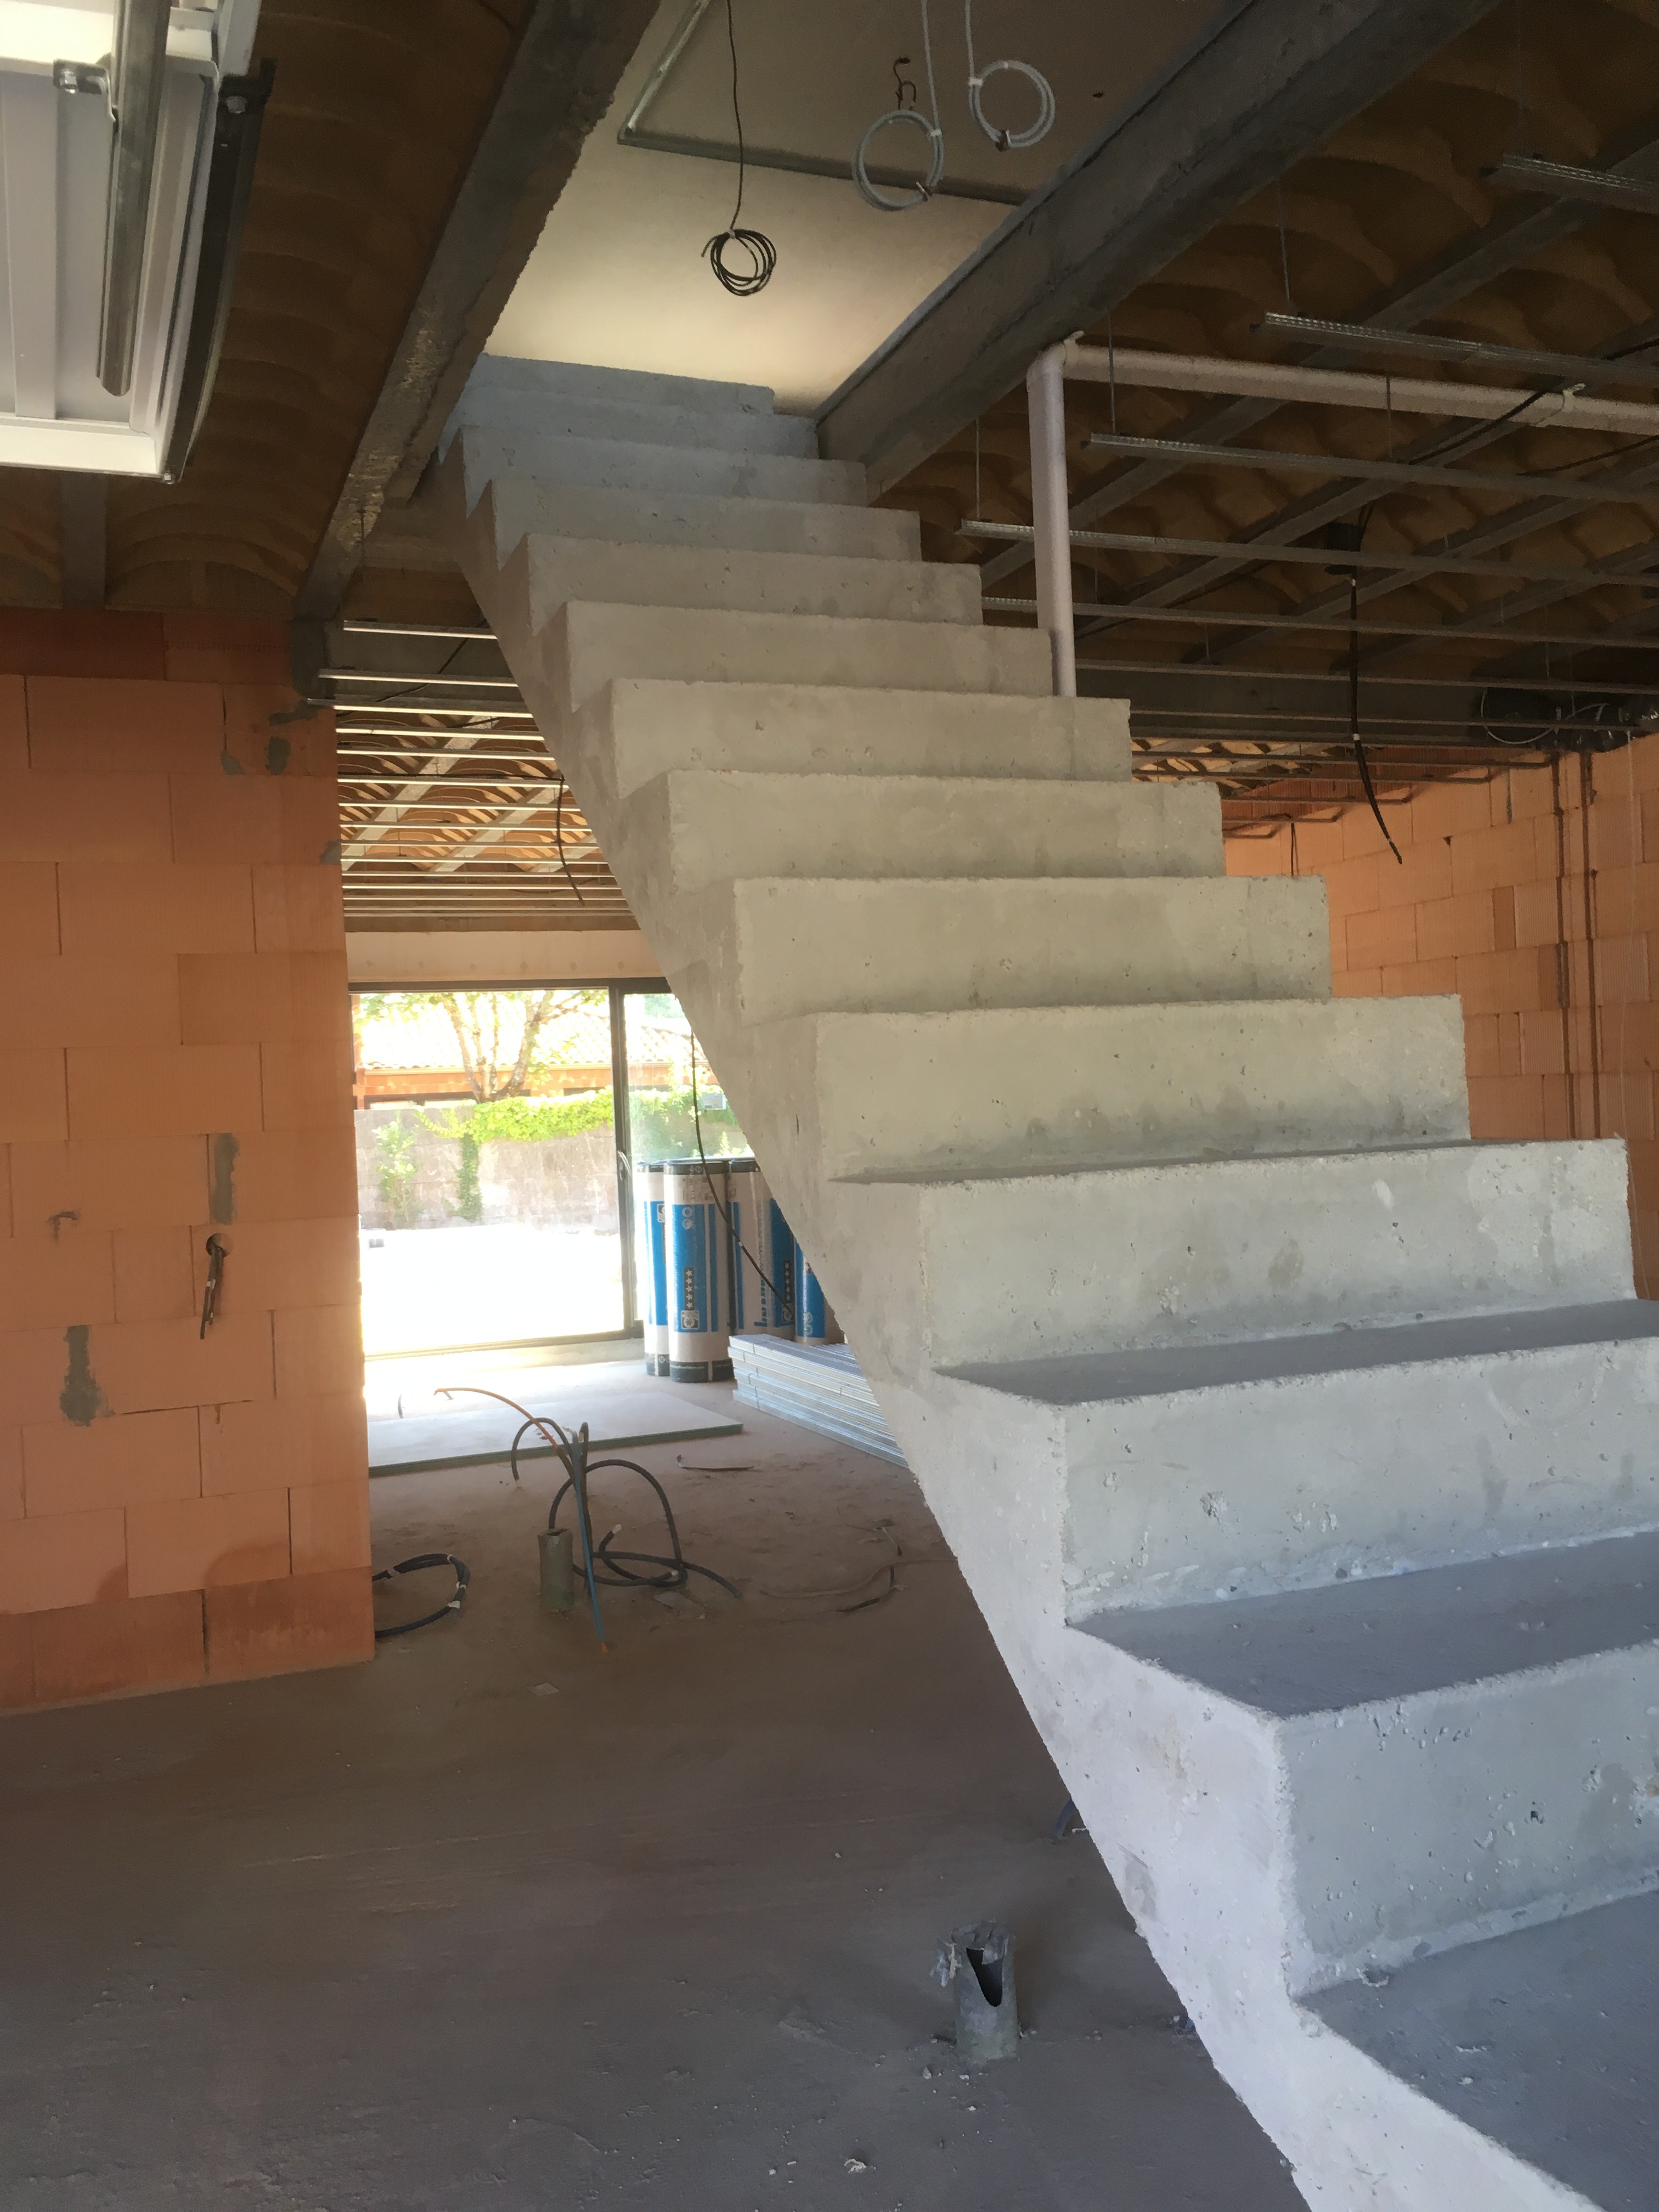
x=1535, y=897
x=174, y=1063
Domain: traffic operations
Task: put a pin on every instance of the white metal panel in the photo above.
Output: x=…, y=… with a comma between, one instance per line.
x=28, y=151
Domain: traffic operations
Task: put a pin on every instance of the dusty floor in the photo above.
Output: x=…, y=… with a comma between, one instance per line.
x=501, y=1921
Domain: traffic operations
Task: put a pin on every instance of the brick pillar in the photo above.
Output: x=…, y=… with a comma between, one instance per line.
x=176, y=1062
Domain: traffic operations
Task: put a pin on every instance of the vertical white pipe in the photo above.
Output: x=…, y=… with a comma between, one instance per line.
x=1045, y=393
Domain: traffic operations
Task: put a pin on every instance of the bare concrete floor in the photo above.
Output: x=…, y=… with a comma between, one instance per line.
x=501, y=1921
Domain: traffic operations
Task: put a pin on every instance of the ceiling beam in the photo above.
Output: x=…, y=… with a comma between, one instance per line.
x=1269, y=82
x=562, y=78
x=1512, y=238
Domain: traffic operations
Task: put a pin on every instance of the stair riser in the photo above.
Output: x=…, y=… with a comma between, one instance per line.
x=1285, y=1484
x=755, y=526
x=589, y=646
x=723, y=827
x=1519, y=1796
x=662, y=469
x=1040, y=1267
x=538, y=415
x=1081, y=1086
x=647, y=728
x=696, y=577
x=927, y=948
x=1183, y=1795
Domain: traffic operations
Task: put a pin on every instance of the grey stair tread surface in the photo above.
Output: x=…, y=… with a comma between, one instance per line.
x=1388, y=1637
x=1096, y=1378
x=1546, y=2039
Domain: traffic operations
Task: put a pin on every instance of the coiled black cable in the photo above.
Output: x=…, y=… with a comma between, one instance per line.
x=742, y=282
x=569, y=1447
x=463, y=1577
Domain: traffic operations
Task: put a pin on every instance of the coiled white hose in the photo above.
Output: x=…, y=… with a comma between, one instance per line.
x=1004, y=141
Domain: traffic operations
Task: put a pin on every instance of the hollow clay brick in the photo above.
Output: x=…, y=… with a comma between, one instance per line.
x=35, y=1366
x=257, y=998
x=34, y=1103
x=298, y=909
x=278, y=1627
x=130, y=1460
x=62, y=1559
x=133, y=1182
x=142, y=1366
x=181, y=1090
x=99, y=725
x=196, y=1543
x=154, y=1280
x=297, y=1174
x=28, y=908
x=306, y=1086
x=84, y=817
x=329, y=1525
x=270, y=1264
x=161, y=906
x=132, y=1643
x=11, y=1473
x=319, y=1350
x=85, y=998
x=299, y=1441
x=56, y=1280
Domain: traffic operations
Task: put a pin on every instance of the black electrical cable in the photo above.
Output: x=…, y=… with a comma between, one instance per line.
x=558, y=840
x=463, y=1577
x=743, y=283
x=1349, y=537
x=785, y=1298
x=569, y=1448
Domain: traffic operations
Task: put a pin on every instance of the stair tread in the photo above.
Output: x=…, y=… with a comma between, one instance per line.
x=1105, y=1378
x=1543, y=2040
x=1386, y=1637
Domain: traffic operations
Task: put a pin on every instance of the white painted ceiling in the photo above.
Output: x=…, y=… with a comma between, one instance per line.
x=618, y=277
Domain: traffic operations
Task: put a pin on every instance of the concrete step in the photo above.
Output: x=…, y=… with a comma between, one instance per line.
x=934, y=947
x=698, y=576
x=1010, y=1090
x=587, y=646
x=1190, y=1254
x=1461, y=1748
x=639, y=728
x=641, y=518
x=1539, y=2043
x=630, y=421
x=719, y=824
x=496, y=376
x=1238, y=1469
x=635, y=464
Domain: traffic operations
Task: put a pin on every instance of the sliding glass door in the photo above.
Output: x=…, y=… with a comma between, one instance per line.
x=500, y=1134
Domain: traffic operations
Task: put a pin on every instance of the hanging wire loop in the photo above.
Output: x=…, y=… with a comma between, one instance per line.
x=920, y=192
x=1006, y=142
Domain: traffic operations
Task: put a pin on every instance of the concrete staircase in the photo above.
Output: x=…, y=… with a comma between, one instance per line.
x=1302, y=1454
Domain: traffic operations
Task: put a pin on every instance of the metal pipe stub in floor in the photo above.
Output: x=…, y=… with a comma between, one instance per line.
x=977, y=1964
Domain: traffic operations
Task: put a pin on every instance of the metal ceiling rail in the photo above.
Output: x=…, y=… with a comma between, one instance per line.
x=1257, y=555
x=1591, y=491
x=1572, y=368
x=1522, y=173
x=407, y=683
x=355, y=628
x=1347, y=388
x=1428, y=634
